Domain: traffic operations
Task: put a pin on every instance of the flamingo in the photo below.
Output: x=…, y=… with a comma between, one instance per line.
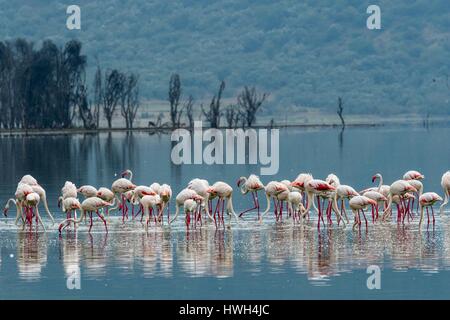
x=165, y=192
x=181, y=197
x=190, y=207
x=27, y=202
x=273, y=189
x=398, y=188
x=201, y=186
x=128, y=173
x=29, y=180
x=358, y=204
x=445, y=183
x=419, y=187
x=316, y=187
x=295, y=205
x=378, y=197
x=106, y=195
x=119, y=188
x=343, y=192
x=43, y=198
x=69, y=204
x=31, y=203
x=413, y=175
x=428, y=199
x=69, y=190
x=21, y=193
x=134, y=196
x=299, y=183
x=224, y=192
x=89, y=205
x=88, y=191
x=149, y=203
x=381, y=188
x=155, y=186
x=251, y=184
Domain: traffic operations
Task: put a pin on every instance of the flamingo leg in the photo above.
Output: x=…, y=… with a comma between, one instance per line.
x=103, y=219
x=90, y=219
x=254, y=202
x=319, y=210
x=428, y=217
x=432, y=213
x=365, y=219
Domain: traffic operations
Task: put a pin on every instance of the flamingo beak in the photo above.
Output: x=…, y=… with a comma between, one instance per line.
x=238, y=182
x=5, y=212
x=374, y=178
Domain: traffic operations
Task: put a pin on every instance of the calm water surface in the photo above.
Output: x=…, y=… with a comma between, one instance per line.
x=272, y=260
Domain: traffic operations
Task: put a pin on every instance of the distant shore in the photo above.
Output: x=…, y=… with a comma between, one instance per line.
x=276, y=125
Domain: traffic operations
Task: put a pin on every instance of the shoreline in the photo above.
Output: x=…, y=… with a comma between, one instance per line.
x=355, y=124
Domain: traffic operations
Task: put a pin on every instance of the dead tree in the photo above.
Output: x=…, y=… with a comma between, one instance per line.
x=233, y=115
x=98, y=95
x=174, y=100
x=85, y=110
x=213, y=114
x=340, y=111
x=114, y=86
x=130, y=100
x=250, y=102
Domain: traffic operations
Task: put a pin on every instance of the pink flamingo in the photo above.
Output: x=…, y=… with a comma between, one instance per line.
x=224, y=192
x=399, y=188
x=426, y=200
x=251, y=184
x=273, y=189
x=89, y=205
x=445, y=183
x=358, y=204
x=316, y=187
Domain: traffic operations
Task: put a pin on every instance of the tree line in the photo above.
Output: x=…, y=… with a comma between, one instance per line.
x=46, y=88
x=242, y=113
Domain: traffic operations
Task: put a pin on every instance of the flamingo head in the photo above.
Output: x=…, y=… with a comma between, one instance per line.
x=374, y=178
x=5, y=211
x=125, y=173
x=239, y=181
x=76, y=205
x=211, y=191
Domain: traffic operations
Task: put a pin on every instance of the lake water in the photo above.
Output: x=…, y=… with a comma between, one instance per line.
x=250, y=261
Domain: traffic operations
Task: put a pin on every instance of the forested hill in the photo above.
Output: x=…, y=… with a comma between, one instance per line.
x=305, y=53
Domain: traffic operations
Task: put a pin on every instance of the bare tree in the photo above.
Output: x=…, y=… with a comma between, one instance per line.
x=114, y=86
x=233, y=115
x=98, y=95
x=340, y=111
x=250, y=102
x=174, y=99
x=213, y=114
x=130, y=100
x=85, y=109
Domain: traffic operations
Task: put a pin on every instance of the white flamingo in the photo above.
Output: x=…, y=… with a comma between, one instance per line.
x=358, y=204
x=224, y=192
x=181, y=197
x=251, y=184
x=426, y=200
x=445, y=184
x=89, y=205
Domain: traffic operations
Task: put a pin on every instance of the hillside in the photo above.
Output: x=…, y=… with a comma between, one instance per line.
x=302, y=52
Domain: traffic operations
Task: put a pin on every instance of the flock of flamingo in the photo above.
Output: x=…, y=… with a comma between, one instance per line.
x=296, y=198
